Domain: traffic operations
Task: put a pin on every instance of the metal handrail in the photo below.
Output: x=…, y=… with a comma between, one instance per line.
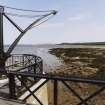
x=24, y=61
x=64, y=79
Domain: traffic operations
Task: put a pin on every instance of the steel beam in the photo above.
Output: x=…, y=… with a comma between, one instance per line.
x=59, y=77
x=2, y=60
x=12, y=84
x=55, y=92
x=1, y=30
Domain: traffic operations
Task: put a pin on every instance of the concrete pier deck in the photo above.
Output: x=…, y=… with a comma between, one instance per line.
x=4, y=101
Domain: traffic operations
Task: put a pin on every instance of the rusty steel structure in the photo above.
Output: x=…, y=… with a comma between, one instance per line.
x=16, y=62
x=5, y=55
x=23, y=71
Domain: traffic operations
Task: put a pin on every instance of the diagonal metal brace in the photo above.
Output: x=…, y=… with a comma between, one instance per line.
x=11, y=21
x=74, y=92
x=27, y=29
x=92, y=95
x=30, y=91
x=37, y=88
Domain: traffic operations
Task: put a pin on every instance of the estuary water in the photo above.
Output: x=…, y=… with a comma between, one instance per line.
x=50, y=62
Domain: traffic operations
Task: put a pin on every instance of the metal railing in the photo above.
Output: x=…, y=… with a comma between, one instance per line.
x=27, y=63
x=65, y=80
x=24, y=62
x=23, y=71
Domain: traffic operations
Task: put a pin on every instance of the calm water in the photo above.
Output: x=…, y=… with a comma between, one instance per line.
x=50, y=61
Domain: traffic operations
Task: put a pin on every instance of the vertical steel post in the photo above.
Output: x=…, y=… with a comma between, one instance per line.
x=55, y=92
x=2, y=60
x=1, y=30
x=12, y=86
x=41, y=67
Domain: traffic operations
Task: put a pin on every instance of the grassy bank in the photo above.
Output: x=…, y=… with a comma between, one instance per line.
x=82, y=62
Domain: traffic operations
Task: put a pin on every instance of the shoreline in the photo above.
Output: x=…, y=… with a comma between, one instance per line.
x=83, y=62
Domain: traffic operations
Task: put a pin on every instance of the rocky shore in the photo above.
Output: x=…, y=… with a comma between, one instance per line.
x=82, y=62
x=88, y=62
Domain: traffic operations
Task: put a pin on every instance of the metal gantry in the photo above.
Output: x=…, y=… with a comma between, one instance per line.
x=5, y=55
x=28, y=69
x=18, y=63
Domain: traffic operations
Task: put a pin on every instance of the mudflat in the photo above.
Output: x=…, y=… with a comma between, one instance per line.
x=81, y=62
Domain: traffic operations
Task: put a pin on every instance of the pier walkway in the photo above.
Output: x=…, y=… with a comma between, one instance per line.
x=4, y=101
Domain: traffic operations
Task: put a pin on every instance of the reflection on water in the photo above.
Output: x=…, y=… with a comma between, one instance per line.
x=49, y=61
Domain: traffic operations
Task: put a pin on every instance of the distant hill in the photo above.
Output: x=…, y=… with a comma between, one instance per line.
x=87, y=43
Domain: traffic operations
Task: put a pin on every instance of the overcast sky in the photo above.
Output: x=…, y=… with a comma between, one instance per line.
x=76, y=21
